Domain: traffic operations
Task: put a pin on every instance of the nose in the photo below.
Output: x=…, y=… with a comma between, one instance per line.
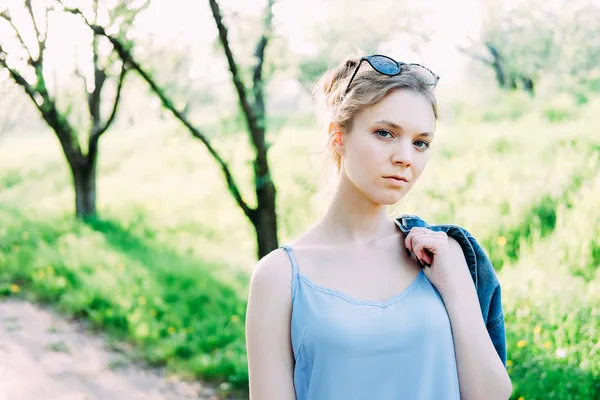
x=402, y=153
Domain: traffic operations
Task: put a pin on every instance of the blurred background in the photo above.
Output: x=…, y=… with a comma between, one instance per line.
x=151, y=151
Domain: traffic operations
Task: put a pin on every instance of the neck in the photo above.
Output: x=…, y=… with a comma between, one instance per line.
x=354, y=219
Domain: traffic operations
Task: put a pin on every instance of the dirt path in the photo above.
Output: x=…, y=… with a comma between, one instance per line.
x=43, y=356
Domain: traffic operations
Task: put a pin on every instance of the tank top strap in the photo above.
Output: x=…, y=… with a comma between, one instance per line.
x=295, y=270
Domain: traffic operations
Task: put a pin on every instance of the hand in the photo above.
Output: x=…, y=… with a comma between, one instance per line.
x=441, y=258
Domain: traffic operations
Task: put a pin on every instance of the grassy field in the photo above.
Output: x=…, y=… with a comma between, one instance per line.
x=165, y=266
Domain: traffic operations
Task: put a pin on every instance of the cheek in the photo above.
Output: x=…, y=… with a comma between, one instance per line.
x=419, y=165
x=361, y=157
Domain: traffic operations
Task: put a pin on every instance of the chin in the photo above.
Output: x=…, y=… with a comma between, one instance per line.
x=388, y=198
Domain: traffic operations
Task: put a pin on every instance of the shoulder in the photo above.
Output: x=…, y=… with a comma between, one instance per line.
x=455, y=247
x=272, y=275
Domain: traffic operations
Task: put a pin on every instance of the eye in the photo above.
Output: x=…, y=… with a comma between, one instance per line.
x=382, y=133
x=424, y=145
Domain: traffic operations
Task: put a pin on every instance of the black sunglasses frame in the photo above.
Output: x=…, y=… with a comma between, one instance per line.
x=400, y=64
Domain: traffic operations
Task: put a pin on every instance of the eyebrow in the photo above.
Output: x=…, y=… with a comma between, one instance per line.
x=398, y=127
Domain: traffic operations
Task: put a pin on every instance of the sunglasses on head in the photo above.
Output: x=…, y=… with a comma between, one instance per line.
x=390, y=67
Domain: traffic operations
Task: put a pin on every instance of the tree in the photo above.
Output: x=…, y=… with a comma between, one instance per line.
x=344, y=26
x=28, y=68
x=252, y=104
x=533, y=40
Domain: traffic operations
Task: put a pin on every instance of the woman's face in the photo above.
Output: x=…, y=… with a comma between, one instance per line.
x=387, y=149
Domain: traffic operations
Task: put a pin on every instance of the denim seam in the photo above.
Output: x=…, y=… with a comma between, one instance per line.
x=499, y=320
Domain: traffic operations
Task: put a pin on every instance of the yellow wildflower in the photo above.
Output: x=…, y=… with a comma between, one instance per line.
x=537, y=330
x=521, y=398
x=547, y=345
x=171, y=330
x=153, y=313
x=501, y=241
x=509, y=363
x=234, y=319
x=521, y=343
x=14, y=288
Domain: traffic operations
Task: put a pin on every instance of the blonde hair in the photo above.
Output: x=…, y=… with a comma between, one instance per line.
x=336, y=106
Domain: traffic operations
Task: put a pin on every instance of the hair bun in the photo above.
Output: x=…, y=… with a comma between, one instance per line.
x=328, y=90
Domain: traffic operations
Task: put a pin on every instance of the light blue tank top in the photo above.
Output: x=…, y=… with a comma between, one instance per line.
x=346, y=349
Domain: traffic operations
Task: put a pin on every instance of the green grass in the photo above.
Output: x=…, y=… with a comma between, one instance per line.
x=166, y=265
x=171, y=306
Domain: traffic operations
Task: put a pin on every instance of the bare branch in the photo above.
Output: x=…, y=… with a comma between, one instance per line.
x=475, y=56
x=41, y=39
x=113, y=114
x=125, y=54
x=128, y=14
x=260, y=53
x=233, y=68
x=6, y=16
x=82, y=76
x=30, y=10
x=94, y=98
x=19, y=79
x=144, y=6
x=46, y=24
x=47, y=109
x=255, y=115
x=75, y=11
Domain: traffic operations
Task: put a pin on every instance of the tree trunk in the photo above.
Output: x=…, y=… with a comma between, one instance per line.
x=528, y=85
x=512, y=82
x=497, y=65
x=84, y=181
x=265, y=219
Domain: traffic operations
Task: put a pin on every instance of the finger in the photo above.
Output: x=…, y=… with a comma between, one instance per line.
x=425, y=247
x=408, y=242
x=413, y=238
x=420, y=249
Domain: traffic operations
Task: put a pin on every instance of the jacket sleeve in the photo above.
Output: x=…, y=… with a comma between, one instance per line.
x=490, y=298
x=495, y=325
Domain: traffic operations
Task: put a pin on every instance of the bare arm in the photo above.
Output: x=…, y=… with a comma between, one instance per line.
x=480, y=371
x=268, y=343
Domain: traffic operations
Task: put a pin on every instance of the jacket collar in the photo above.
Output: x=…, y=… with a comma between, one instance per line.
x=407, y=221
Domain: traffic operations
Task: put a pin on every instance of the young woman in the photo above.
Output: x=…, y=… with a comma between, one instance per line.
x=364, y=307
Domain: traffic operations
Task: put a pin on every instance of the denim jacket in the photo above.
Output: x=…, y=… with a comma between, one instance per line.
x=482, y=272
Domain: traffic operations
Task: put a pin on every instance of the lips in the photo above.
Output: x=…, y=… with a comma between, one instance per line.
x=397, y=178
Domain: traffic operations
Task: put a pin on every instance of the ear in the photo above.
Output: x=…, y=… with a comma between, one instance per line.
x=336, y=139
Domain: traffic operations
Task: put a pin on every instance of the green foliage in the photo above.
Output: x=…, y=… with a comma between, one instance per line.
x=508, y=109
x=560, y=108
x=167, y=304
x=495, y=107
x=553, y=43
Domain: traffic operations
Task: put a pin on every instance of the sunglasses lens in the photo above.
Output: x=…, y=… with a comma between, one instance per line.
x=385, y=65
